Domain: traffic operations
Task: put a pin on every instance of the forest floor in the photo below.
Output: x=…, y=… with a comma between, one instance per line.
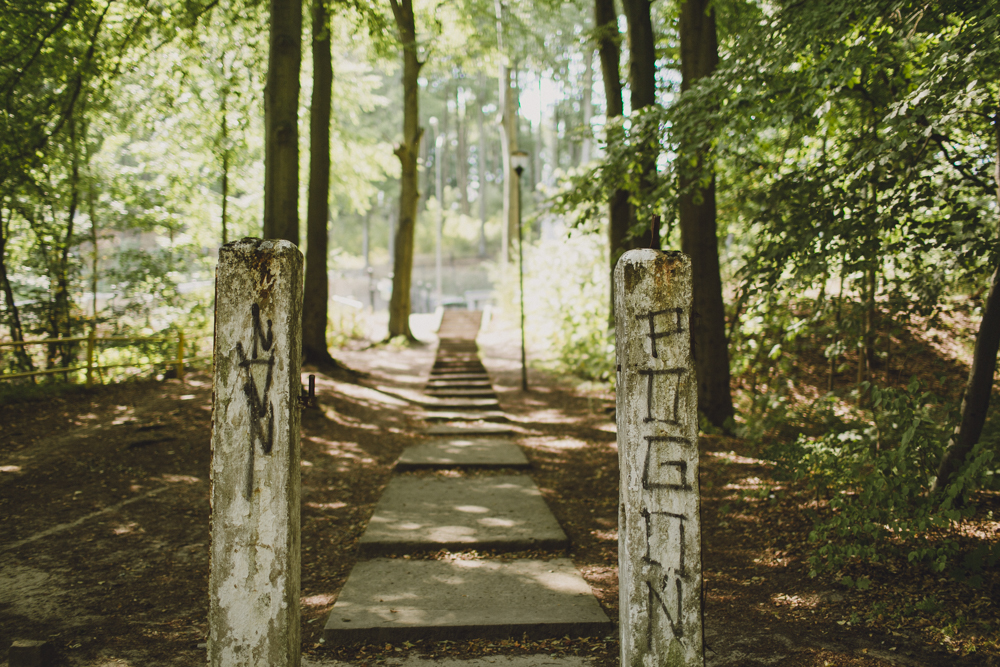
x=105, y=499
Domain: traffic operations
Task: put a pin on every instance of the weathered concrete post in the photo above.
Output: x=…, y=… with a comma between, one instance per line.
x=254, y=581
x=659, y=528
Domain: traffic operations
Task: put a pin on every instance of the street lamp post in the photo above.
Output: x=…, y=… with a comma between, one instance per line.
x=519, y=162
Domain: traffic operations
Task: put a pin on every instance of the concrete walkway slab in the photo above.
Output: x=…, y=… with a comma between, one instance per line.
x=394, y=600
x=449, y=392
x=451, y=416
x=436, y=403
x=454, y=377
x=489, y=512
x=461, y=383
x=471, y=430
x=463, y=452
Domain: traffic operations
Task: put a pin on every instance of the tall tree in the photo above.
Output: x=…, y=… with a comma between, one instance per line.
x=508, y=103
x=481, y=163
x=607, y=36
x=462, y=155
x=281, y=108
x=406, y=151
x=642, y=89
x=587, y=103
x=317, y=286
x=509, y=146
x=696, y=211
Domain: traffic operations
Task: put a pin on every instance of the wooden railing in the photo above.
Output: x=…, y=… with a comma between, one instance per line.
x=178, y=360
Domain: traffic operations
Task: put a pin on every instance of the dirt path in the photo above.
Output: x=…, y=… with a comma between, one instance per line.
x=105, y=543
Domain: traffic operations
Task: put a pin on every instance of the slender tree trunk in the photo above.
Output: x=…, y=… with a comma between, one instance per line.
x=976, y=400
x=225, y=164
x=10, y=305
x=424, y=176
x=608, y=38
x=60, y=318
x=866, y=367
x=281, y=106
x=481, y=165
x=406, y=151
x=317, y=287
x=699, y=56
x=588, y=105
x=462, y=159
x=95, y=256
x=508, y=127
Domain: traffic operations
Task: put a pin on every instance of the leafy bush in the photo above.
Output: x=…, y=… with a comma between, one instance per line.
x=567, y=285
x=878, y=475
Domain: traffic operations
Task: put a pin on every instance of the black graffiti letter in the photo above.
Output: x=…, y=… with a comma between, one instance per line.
x=261, y=408
x=655, y=335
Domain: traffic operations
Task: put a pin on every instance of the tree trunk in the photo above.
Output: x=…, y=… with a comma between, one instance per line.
x=508, y=127
x=317, y=285
x=13, y=314
x=588, y=105
x=642, y=53
x=976, y=400
x=642, y=86
x=481, y=163
x=224, y=140
x=699, y=56
x=406, y=151
x=462, y=159
x=281, y=106
x=60, y=325
x=606, y=32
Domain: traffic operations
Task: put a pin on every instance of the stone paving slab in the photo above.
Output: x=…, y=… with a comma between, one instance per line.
x=468, y=429
x=453, y=377
x=395, y=600
x=488, y=512
x=437, y=403
x=475, y=382
x=451, y=416
x=449, y=392
x=463, y=452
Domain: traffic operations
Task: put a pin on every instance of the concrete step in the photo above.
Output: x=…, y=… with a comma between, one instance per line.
x=504, y=512
x=435, y=403
x=393, y=600
x=472, y=416
x=449, y=392
x=459, y=383
x=468, y=430
x=459, y=366
x=447, y=376
x=463, y=452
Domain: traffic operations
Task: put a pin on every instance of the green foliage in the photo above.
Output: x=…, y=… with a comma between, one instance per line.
x=877, y=475
x=566, y=298
x=345, y=324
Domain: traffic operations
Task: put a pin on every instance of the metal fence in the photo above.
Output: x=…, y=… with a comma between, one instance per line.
x=178, y=361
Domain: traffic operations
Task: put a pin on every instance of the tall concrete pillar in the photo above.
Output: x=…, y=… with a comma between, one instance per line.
x=659, y=527
x=254, y=580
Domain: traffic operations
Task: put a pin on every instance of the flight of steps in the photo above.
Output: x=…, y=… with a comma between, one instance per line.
x=406, y=597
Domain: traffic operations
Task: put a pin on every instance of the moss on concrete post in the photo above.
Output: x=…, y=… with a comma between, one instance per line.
x=254, y=581
x=659, y=527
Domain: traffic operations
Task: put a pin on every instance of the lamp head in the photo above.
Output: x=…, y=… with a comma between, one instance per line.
x=519, y=161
